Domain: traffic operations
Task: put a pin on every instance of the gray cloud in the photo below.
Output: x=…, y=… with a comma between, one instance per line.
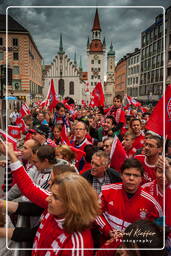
x=122, y=26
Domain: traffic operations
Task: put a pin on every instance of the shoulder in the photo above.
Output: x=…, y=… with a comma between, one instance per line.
x=112, y=187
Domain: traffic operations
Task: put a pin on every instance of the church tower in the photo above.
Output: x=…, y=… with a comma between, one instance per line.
x=96, y=54
x=109, y=85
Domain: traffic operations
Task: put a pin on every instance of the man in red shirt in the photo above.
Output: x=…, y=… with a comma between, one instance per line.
x=135, y=125
x=126, y=202
x=117, y=112
x=152, y=149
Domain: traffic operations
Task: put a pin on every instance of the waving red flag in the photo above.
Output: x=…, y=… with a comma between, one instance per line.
x=98, y=95
x=24, y=110
x=118, y=154
x=155, y=122
x=14, y=131
x=52, y=96
x=9, y=139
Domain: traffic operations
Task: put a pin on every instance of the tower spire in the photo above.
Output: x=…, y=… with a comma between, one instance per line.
x=96, y=23
x=61, y=51
x=75, y=59
x=81, y=68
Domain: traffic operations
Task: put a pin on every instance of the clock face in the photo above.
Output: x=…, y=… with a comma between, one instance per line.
x=96, y=57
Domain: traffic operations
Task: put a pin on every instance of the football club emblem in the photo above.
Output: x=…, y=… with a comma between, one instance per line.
x=169, y=108
x=143, y=213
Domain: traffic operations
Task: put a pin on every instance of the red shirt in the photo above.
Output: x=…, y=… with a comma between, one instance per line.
x=153, y=189
x=119, y=211
x=149, y=170
x=139, y=141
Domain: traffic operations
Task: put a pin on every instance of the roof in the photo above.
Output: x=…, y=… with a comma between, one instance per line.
x=96, y=24
x=96, y=46
x=13, y=25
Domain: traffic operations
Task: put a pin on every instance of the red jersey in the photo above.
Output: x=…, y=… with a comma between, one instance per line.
x=149, y=170
x=153, y=189
x=139, y=141
x=119, y=211
x=131, y=152
x=50, y=234
x=82, y=145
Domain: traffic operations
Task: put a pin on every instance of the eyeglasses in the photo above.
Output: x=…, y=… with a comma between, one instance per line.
x=79, y=129
x=150, y=145
x=106, y=146
x=131, y=174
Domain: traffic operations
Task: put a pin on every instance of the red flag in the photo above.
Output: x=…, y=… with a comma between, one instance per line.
x=24, y=110
x=117, y=155
x=64, y=136
x=9, y=139
x=20, y=122
x=14, y=131
x=52, y=97
x=155, y=122
x=132, y=101
x=79, y=153
x=98, y=95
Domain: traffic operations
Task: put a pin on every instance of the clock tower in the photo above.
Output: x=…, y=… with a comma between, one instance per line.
x=109, y=85
x=96, y=54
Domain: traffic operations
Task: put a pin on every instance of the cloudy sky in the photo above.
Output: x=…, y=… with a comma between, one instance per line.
x=122, y=26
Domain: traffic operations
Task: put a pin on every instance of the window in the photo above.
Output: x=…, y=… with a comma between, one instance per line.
x=169, y=71
x=71, y=88
x=1, y=55
x=99, y=69
x=91, y=83
x=61, y=89
x=98, y=77
x=1, y=41
x=92, y=77
x=92, y=69
x=15, y=56
x=169, y=55
x=99, y=61
x=15, y=41
x=92, y=61
x=16, y=84
x=16, y=70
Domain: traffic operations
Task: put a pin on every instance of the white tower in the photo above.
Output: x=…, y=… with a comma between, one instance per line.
x=109, y=85
x=96, y=54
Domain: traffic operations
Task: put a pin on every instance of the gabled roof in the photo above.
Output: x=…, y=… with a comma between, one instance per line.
x=13, y=25
x=96, y=24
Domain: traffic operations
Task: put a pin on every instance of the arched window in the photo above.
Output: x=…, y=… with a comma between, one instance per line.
x=71, y=88
x=61, y=89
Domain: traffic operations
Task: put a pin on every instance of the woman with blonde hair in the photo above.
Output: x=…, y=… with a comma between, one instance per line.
x=70, y=210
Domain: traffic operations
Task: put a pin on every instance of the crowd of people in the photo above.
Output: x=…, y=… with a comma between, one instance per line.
x=92, y=181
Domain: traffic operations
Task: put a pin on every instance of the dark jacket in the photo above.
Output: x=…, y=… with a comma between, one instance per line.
x=113, y=175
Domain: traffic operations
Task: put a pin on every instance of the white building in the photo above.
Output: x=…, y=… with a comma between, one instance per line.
x=66, y=76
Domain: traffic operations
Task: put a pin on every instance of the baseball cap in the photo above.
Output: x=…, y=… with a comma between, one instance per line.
x=42, y=129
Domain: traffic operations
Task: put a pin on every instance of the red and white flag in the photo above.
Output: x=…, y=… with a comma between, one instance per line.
x=14, y=131
x=97, y=96
x=157, y=121
x=52, y=96
x=20, y=122
x=78, y=153
x=24, y=110
x=117, y=155
x=9, y=139
x=128, y=101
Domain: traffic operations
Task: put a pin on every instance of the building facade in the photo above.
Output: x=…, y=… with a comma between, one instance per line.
x=121, y=77
x=23, y=58
x=110, y=79
x=151, y=81
x=66, y=76
x=96, y=54
x=133, y=73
